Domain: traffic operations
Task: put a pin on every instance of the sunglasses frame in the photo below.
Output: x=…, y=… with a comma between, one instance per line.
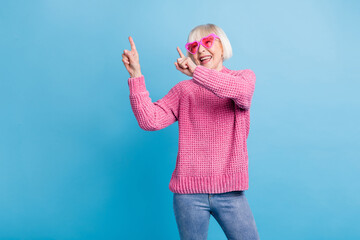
x=200, y=42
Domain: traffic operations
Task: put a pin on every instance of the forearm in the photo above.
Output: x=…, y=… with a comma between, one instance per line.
x=238, y=86
x=151, y=116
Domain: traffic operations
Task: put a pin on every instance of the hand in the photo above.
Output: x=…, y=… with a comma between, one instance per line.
x=131, y=60
x=185, y=64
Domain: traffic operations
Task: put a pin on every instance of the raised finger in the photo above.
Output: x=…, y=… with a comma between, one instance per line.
x=132, y=44
x=181, y=54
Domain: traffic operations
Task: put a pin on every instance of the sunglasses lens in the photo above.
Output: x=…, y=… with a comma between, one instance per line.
x=192, y=47
x=208, y=41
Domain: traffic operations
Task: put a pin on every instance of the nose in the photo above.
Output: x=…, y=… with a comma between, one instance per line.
x=201, y=48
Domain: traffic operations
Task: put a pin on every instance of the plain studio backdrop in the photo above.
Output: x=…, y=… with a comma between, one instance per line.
x=74, y=163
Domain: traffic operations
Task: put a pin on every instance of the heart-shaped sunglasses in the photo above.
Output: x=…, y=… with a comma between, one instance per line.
x=207, y=42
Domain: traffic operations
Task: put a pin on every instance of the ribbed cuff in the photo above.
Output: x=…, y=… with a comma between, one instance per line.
x=137, y=84
x=200, y=73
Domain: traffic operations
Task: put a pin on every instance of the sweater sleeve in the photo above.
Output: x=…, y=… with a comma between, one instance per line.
x=153, y=116
x=238, y=85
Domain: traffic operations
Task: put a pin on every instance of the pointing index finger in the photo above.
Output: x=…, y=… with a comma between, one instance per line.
x=132, y=44
x=181, y=54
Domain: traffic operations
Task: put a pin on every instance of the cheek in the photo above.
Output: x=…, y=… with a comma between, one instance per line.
x=218, y=55
x=218, y=51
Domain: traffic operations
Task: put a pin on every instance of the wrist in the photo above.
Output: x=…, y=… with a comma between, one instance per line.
x=135, y=75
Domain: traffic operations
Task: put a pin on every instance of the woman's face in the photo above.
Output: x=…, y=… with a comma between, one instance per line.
x=215, y=52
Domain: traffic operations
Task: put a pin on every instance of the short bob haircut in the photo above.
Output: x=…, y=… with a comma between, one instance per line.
x=201, y=31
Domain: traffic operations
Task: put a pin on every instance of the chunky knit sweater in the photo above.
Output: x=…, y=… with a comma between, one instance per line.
x=213, y=113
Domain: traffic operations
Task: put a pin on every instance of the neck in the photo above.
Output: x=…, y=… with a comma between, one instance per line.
x=220, y=67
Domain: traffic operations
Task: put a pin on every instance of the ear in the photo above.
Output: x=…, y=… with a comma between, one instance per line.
x=222, y=49
x=222, y=52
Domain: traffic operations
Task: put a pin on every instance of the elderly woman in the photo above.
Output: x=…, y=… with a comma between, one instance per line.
x=213, y=112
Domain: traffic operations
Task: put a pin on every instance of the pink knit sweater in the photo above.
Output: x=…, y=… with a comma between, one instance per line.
x=213, y=111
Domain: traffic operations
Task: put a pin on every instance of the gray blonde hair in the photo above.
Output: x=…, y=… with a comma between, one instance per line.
x=203, y=30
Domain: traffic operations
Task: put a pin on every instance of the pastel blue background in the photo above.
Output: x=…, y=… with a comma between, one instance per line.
x=74, y=164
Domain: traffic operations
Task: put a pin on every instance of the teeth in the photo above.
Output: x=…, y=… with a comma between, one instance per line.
x=202, y=59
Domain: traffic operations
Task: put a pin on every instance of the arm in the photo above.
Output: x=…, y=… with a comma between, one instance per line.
x=239, y=86
x=153, y=116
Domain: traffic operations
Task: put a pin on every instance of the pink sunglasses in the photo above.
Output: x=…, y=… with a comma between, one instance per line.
x=207, y=42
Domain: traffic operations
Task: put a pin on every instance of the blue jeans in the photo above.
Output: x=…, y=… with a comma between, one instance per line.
x=231, y=210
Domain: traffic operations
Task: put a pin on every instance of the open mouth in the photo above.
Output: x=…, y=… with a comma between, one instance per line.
x=206, y=59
